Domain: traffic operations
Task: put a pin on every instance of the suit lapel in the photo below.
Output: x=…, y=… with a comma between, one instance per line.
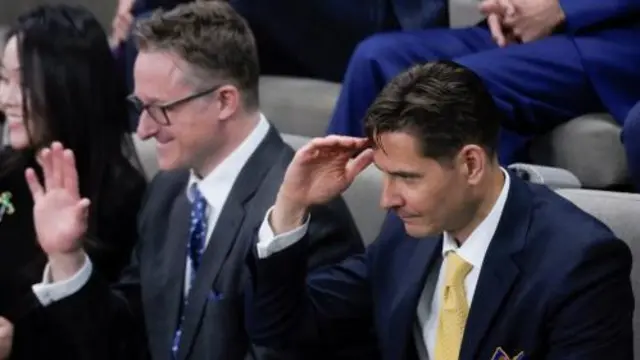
x=178, y=233
x=421, y=257
x=225, y=233
x=500, y=269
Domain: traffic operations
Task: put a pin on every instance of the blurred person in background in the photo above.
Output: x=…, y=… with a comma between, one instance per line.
x=542, y=61
x=58, y=83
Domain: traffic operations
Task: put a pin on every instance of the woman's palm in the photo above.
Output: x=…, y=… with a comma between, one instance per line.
x=59, y=221
x=59, y=213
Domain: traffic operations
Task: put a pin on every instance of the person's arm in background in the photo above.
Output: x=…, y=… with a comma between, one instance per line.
x=121, y=23
x=581, y=14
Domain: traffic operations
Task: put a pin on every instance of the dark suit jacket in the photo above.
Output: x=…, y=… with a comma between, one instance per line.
x=22, y=261
x=554, y=285
x=110, y=323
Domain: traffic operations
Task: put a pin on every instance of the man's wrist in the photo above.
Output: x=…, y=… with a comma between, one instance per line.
x=287, y=215
x=65, y=266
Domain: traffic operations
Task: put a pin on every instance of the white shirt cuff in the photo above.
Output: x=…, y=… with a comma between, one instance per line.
x=48, y=292
x=269, y=244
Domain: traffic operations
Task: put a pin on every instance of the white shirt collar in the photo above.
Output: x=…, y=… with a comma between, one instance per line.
x=216, y=186
x=475, y=247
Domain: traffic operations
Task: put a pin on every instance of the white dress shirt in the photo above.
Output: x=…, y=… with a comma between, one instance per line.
x=473, y=250
x=215, y=188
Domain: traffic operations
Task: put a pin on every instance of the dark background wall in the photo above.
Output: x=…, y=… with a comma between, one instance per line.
x=103, y=9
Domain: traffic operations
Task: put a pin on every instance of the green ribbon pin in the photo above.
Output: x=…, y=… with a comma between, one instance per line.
x=6, y=206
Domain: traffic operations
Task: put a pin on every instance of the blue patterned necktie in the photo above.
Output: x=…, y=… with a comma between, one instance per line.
x=195, y=247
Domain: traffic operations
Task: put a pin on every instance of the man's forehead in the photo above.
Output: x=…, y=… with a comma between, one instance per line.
x=158, y=73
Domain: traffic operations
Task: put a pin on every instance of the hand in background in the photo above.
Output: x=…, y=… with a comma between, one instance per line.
x=6, y=338
x=59, y=213
x=320, y=171
x=531, y=19
x=121, y=23
x=496, y=11
x=120, y=28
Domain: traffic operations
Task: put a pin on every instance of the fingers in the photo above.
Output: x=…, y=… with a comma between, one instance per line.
x=34, y=184
x=57, y=165
x=493, y=20
x=488, y=7
x=358, y=164
x=508, y=7
x=332, y=145
x=58, y=169
x=70, y=173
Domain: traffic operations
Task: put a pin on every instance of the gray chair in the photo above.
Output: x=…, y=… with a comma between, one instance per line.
x=298, y=106
x=295, y=141
x=589, y=146
x=553, y=177
x=619, y=211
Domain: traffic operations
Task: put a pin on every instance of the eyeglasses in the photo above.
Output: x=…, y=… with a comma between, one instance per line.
x=158, y=112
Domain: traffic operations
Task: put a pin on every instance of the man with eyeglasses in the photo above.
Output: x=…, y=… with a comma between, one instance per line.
x=196, y=90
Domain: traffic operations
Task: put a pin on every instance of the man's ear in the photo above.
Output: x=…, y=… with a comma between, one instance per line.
x=229, y=99
x=472, y=162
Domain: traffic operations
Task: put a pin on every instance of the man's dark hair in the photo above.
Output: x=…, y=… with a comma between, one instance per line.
x=212, y=38
x=443, y=104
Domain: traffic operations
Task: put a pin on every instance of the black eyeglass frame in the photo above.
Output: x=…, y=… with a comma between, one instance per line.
x=140, y=107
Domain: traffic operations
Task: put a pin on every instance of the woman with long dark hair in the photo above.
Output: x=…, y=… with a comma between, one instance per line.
x=58, y=82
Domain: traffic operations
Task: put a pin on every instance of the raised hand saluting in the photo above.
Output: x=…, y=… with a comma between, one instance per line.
x=319, y=171
x=60, y=213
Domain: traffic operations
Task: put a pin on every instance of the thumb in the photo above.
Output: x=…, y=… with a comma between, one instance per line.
x=355, y=166
x=83, y=207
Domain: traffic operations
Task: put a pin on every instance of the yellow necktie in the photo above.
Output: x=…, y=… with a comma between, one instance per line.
x=455, y=309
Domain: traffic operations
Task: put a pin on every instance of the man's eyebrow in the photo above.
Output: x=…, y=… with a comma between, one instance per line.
x=400, y=173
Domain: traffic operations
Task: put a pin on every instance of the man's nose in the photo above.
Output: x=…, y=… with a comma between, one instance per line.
x=146, y=126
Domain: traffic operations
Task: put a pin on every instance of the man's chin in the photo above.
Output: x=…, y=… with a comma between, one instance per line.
x=168, y=164
x=419, y=231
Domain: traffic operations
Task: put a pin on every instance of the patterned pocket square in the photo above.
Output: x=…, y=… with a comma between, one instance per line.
x=500, y=354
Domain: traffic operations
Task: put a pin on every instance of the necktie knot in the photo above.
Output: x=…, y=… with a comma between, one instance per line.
x=456, y=269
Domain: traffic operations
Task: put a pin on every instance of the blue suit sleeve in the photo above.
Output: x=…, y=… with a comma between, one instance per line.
x=592, y=314
x=581, y=14
x=284, y=310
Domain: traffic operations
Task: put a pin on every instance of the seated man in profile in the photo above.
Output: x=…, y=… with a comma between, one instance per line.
x=472, y=263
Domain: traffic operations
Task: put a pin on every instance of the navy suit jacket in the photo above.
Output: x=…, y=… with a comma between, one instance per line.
x=606, y=34
x=555, y=284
